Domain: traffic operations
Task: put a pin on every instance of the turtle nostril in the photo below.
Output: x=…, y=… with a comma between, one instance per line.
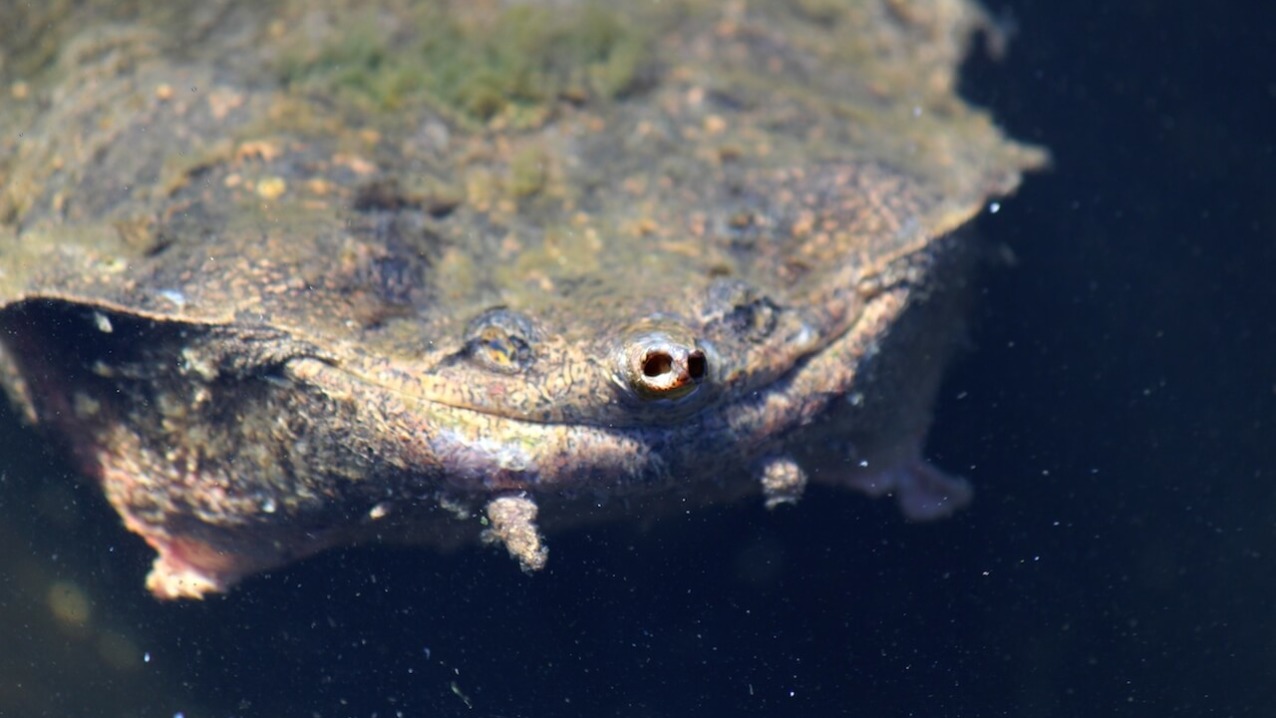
x=696, y=365
x=660, y=359
x=657, y=363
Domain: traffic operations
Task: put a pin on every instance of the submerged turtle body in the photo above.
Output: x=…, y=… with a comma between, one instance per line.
x=282, y=278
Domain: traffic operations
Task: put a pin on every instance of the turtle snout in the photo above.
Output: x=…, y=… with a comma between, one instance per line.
x=662, y=360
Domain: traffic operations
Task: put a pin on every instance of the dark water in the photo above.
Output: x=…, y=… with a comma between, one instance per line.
x=1117, y=414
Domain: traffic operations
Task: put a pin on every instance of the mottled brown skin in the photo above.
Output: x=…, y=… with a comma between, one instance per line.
x=269, y=320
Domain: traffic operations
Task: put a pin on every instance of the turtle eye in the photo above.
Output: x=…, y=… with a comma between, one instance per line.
x=740, y=310
x=500, y=340
x=661, y=360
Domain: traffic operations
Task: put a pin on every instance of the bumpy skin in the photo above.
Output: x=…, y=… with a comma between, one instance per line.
x=271, y=316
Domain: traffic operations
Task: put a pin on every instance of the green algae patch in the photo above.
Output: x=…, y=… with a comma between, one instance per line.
x=528, y=172
x=506, y=65
x=360, y=62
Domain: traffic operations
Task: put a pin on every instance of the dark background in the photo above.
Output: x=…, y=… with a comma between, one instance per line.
x=1117, y=413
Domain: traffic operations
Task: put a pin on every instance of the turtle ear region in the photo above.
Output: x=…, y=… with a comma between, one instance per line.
x=57, y=349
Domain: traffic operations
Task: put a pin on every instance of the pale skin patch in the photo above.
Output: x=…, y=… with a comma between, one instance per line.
x=512, y=522
x=783, y=481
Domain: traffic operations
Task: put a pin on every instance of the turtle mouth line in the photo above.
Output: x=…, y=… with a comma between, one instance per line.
x=342, y=380
x=687, y=405
x=689, y=385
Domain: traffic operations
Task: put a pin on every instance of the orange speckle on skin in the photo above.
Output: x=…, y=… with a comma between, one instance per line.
x=318, y=186
x=258, y=149
x=271, y=187
x=354, y=163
